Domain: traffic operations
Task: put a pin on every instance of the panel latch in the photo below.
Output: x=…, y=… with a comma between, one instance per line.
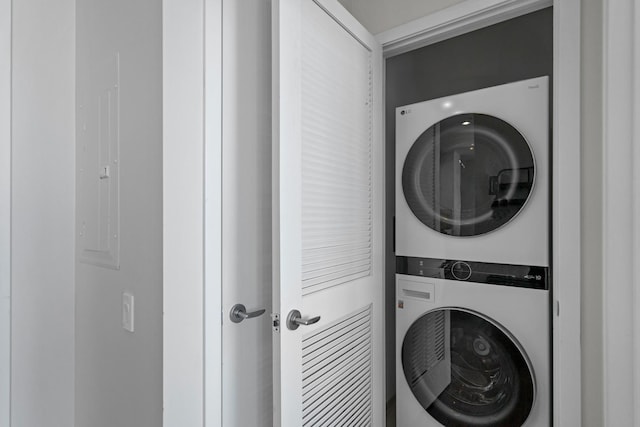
x=275, y=319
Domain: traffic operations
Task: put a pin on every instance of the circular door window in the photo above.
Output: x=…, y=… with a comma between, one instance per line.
x=468, y=175
x=465, y=371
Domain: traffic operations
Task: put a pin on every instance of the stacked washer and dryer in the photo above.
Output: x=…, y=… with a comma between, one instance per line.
x=472, y=251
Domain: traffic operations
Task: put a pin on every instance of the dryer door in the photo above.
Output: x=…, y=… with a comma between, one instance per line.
x=489, y=383
x=468, y=174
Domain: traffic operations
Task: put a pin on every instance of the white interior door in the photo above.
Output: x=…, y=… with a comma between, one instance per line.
x=246, y=213
x=328, y=218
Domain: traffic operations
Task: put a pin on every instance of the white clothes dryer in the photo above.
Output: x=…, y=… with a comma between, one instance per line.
x=472, y=353
x=472, y=176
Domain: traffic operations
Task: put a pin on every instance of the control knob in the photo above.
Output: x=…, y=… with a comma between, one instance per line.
x=461, y=270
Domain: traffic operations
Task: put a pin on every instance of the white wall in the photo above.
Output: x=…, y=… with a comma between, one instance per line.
x=381, y=15
x=43, y=213
x=118, y=374
x=5, y=208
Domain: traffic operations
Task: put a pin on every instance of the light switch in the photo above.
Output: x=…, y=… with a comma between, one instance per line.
x=127, y=311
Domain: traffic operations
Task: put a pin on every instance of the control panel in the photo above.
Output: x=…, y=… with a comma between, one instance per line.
x=524, y=276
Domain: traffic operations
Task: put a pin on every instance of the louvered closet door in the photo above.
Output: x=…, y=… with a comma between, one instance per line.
x=328, y=218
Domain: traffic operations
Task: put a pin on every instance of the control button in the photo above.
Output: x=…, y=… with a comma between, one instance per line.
x=461, y=270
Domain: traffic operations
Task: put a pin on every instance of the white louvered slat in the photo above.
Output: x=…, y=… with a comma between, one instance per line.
x=342, y=404
x=355, y=363
x=336, y=365
x=338, y=349
x=327, y=402
x=338, y=278
x=352, y=258
x=329, y=179
x=311, y=343
x=336, y=272
x=333, y=255
x=336, y=161
x=319, y=396
x=348, y=234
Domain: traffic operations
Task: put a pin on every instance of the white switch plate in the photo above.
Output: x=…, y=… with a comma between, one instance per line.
x=127, y=311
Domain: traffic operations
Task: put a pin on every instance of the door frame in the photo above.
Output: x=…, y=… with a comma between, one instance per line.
x=213, y=84
x=192, y=255
x=185, y=204
x=5, y=211
x=621, y=201
x=474, y=14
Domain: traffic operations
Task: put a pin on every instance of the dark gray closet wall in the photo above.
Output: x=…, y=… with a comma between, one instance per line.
x=512, y=50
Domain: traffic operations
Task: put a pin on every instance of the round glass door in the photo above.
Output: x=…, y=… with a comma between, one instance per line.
x=465, y=371
x=468, y=175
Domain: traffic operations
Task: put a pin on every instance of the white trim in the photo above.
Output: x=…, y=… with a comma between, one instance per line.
x=5, y=212
x=621, y=209
x=213, y=213
x=453, y=21
x=567, y=364
x=5, y=145
x=183, y=212
x=636, y=212
x=473, y=14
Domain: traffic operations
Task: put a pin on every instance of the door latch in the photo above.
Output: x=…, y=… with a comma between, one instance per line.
x=275, y=318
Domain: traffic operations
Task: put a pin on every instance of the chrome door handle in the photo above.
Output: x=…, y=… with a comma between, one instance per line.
x=294, y=320
x=239, y=313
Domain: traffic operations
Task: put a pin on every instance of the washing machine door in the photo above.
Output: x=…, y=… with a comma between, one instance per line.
x=489, y=381
x=468, y=174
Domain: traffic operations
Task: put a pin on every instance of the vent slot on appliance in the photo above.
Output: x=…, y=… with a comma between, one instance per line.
x=336, y=132
x=425, y=344
x=424, y=295
x=336, y=371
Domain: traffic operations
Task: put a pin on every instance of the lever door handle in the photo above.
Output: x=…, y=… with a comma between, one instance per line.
x=295, y=320
x=239, y=313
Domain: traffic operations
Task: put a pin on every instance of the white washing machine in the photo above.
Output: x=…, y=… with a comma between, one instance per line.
x=475, y=352
x=472, y=176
